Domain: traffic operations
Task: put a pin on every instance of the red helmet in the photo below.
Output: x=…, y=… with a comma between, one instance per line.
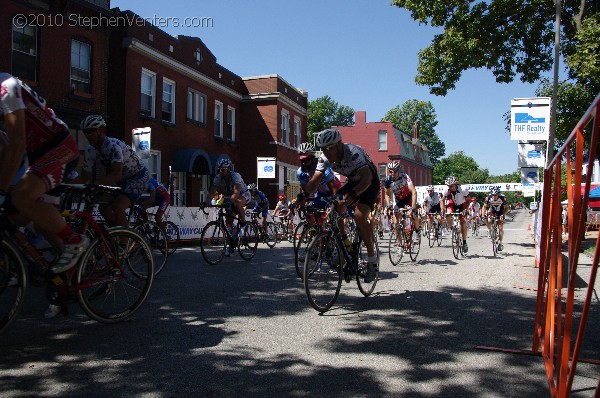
x=473, y=199
x=282, y=197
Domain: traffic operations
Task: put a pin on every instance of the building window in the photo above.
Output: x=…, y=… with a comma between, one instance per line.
x=218, y=119
x=382, y=170
x=81, y=55
x=230, y=123
x=296, y=131
x=196, y=106
x=168, y=101
x=382, y=140
x=147, y=93
x=24, y=49
x=285, y=127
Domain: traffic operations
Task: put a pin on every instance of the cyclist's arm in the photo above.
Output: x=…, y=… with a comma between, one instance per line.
x=311, y=186
x=83, y=177
x=388, y=194
x=14, y=123
x=150, y=201
x=236, y=192
x=413, y=192
x=332, y=187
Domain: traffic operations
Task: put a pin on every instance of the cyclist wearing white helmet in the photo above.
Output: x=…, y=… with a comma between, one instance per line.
x=124, y=169
x=362, y=186
x=456, y=201
x=432, y=205
x=232, y=186
x=308, y=164
x=399, y=186
x=495, y=206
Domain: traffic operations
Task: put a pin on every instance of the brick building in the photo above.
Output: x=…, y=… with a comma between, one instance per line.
x=384, y=142
x=48, y=45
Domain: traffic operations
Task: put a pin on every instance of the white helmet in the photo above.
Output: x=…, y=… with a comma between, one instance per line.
x=224, y=163
x=430, y=188
x=93, y=122
x=328, y=137
x=306, y=148
x=393, y=165
x=252, y=187
x=451, y=180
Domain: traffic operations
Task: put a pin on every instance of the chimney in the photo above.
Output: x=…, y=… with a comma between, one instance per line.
x=360, y=117
x=416, y=129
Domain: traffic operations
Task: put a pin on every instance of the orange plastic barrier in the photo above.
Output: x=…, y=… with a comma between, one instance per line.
x=554, y=334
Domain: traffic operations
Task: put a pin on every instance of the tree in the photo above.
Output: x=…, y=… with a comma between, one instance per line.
x=508, y=37
x=461, y=166
x=324, y=112
x=413, y=110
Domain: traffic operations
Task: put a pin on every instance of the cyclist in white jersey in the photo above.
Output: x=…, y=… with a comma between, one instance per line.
x=456, y=201
x=400, y=188
x=432, y=204
x=495, y=206
x=234, y=189
x=362, y=186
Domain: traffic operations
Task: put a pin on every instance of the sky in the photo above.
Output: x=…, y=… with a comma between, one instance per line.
x=361, y=53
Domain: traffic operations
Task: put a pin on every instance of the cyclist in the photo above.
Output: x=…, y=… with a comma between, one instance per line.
x=232, y=186
x=474, y=210
x=399, y=186
x=362, y=186
x=259, y=203
x=456, y=201
x=432, y=205
x=124, y=167
x=32, y=128
x=159, y=197
x=495, y=206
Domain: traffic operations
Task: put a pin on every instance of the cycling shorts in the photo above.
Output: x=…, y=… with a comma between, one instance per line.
x=402, y=203
x=435, y=209
x=368, y=197
x=161, y=201
x=51, y=167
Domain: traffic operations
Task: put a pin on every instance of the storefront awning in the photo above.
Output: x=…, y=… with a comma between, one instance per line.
x=186, y=160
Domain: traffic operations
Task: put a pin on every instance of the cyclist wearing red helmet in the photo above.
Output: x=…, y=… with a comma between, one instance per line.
x=282, y=208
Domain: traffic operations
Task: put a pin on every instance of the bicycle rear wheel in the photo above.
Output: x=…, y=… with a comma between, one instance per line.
x=323, y=271
x=13, y=283
x=415, y=244
x=455, y=242
x=271, y=235
x=213, y=243
x=248, y=241
x=115, y=276
x=396, y=246
x=309, y=232
x=172, y=236
x=157, y=240
x=298, y=232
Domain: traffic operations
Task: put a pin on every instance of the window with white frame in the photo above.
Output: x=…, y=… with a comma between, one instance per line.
x=296, y=131
x=24, y=49
x=382, y=170
x=230, y=123
x=285, y=127
x=80, y=66
x=218, y=119
x=148, y=90
x=168, y=101
x=382, y=136
x=196, y=106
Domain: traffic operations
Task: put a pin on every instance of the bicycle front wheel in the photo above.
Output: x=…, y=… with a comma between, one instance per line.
x=157, y=240
x=308, y=233
x=248, y=241
x=213, y=243
x=115, y=275
x=415, y=245
x=172, y=236
x=396, y=246
x=366, y=288
x=298, y=232
x=323, y=271
x=455, y=242
x=271, y=235
x=13, y=282
x=494, y=237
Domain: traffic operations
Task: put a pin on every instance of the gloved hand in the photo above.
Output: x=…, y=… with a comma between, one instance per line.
x=258, y=210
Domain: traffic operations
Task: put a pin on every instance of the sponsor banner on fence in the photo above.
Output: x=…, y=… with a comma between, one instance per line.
x=479, y=188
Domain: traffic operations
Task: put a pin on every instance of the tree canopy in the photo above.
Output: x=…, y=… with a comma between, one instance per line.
x=508, y=37
x=461, y=166
x=324, y=112
x=413, y=110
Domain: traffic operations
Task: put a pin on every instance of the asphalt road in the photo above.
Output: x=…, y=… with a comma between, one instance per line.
x=245, y=329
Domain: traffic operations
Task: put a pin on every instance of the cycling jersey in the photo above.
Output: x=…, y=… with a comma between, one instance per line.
x=282, y=207
x=474, y=208
x=496, y=206
x=353, y=159
x=162, y=195
x=225, y=185
x=323, y=187
x=399, y=186
x=257, y=201
x=431, y=201
x=458, y=197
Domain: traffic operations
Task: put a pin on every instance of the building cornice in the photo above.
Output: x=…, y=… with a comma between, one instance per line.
x=278, y=97
x=141, y=48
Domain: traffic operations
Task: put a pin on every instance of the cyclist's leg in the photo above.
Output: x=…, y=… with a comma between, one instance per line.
x=364, y=227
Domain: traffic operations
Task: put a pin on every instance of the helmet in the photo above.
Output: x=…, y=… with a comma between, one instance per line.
x=495, y=190
x=473, y=199
x=430, y=187
x=93, y=122
x=224, y=163
x=393, y=165
x=252, y=186
x=451, y=180
x=282, y=197
x=328, y=137
x=306, y=148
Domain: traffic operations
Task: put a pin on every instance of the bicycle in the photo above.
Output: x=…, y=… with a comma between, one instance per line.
x=306, y=231
x=172, y=233
x=110, y=282
x=285, y=228
x=404, y=238
x=436, y=231
x=268, y=236
x=475, y=224
x=494, y=234
x=154, y=235
x=456, y=234
x=217, y=239
x=328, y=262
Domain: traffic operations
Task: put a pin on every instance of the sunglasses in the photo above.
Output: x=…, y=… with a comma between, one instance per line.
x=223, y=168
x=88, y=132
x=328, y=148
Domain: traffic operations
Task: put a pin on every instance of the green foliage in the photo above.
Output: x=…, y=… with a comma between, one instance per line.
x=463, y=167
x=324, y=112
x=413, y=110
x=507, y=37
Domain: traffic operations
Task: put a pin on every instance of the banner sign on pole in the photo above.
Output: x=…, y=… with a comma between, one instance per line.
x=265, y=167
x=530, y=175
x=141, y=141
x=531, y=155
x=529, y=189
x=530, y=119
